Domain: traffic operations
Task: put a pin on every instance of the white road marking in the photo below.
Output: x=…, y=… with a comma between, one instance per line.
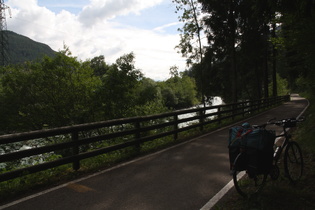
x=213, y=201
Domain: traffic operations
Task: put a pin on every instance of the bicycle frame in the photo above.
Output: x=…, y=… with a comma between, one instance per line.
x=279, y=148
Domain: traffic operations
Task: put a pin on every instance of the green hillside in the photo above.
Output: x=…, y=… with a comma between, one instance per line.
x=22, y=48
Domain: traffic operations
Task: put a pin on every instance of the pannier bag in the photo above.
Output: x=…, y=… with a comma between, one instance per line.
x=258, y=144
x=236, y=141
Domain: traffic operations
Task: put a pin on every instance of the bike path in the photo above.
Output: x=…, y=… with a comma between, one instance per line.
x=185, y=176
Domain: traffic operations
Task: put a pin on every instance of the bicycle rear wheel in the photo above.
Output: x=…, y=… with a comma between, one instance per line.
x=293, y=161
x=247, y=182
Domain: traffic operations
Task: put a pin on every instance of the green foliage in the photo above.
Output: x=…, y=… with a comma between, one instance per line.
x=282, y=87
x=55, y=92
x=179, y=92
x=149, y=98
x=62, y=91
x=99, y=66
x=118, y=92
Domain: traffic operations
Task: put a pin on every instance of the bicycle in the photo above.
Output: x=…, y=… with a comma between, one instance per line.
x=249, y=178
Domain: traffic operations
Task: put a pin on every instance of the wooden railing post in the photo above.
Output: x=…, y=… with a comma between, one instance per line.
x=75, y=150
x=254, y=106
x=219, y=115
x=175, y=127
x=202, y=118
x=234, y=110
x=243, y=107
x=138, y=134
x=262, y=104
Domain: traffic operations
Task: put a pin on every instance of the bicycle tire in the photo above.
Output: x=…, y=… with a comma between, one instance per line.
x=293, y=162
x=245, y=183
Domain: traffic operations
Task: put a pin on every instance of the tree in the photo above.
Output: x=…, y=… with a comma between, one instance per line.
x=147, y=91
x=118, y=93
x=239, y=41
x=190, y=44
x=174, y=71
x=223, y=36
x=99, y=66
x=256, y=49
x=55, y=92
x=297, y=38
x=179, y=92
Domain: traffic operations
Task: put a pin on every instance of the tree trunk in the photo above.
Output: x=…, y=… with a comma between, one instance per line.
x=274, y=64
x=233, y=72
x=266, y=69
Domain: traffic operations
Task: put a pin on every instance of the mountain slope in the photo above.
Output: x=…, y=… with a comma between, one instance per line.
x=22, y=48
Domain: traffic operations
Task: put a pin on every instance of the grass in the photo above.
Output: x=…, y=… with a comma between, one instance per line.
x=280, y=194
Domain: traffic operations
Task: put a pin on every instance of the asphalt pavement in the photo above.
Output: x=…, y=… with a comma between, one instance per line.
x=185, y=176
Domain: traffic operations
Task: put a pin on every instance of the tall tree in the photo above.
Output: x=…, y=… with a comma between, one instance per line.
x=256, y=19
x=239, y=37
x=297, y=34
x=118, y=91
x=223, y=36
x=190, y=45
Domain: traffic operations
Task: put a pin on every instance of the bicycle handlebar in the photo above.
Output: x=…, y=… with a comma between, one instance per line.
x=286, y=123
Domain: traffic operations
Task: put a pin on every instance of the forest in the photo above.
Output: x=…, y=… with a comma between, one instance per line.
x=62, y=91
x=255, y=49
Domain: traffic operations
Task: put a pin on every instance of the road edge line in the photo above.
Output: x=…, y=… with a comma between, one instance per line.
x=214, y=200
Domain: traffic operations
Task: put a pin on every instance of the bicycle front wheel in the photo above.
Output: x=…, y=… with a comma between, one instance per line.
x=293, y=162
x=247, y=182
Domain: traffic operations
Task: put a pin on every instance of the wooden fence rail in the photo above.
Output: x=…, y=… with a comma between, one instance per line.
x=79, y=142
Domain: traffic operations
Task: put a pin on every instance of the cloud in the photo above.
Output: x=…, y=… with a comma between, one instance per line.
x=163, y=27
x=100, y=10
x=24, y=5
x=154, y=50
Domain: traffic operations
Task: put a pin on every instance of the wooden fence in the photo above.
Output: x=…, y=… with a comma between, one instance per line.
x=84, y=141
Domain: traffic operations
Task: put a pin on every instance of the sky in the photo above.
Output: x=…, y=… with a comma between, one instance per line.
x=112, y=28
